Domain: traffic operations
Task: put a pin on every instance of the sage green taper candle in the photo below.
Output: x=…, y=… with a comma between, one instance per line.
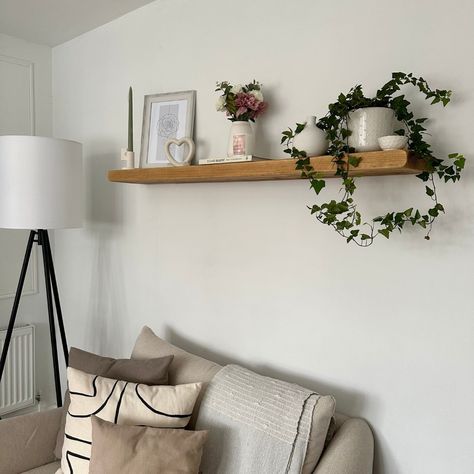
x=130, y=120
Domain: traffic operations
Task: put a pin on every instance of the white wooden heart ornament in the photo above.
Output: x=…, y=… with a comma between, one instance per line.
x=187, y=159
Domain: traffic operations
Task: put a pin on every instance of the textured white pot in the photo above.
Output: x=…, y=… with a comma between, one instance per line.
x=311, y=139
x=241, y=139
x=368, y=125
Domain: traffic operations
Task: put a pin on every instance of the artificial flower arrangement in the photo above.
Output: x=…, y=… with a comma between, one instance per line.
x=241, y=103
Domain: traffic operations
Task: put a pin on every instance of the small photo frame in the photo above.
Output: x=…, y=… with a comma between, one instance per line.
x=166, y=116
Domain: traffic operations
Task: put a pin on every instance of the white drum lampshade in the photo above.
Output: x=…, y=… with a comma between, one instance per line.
x=41, y=182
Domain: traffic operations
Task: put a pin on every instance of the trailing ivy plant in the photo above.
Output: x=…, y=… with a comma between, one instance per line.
x=343, y=214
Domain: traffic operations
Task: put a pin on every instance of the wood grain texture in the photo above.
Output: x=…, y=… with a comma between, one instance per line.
x=374, y=163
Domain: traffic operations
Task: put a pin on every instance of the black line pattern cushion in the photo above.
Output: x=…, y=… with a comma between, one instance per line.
x=116, y=401
x=150, y=372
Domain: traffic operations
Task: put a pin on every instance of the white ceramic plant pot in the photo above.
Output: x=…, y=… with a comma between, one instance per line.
x=241, y=139
x=311, y=139
x=368, y=125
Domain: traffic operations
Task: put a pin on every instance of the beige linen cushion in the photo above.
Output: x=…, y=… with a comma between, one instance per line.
x=139, y=449
x=187, y=368
x=151, y=372
x=51, y=468
x=120, y=402
x=184, y=368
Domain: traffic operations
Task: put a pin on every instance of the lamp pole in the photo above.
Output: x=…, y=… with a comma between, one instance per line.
x=16, y=301
x=41, y=237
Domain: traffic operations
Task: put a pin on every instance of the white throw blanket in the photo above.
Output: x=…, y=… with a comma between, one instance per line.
x=257, y=425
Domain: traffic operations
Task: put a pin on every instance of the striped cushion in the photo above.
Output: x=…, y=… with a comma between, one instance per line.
x=120, y=402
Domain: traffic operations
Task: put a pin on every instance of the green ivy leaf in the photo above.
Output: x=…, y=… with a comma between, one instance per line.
x=460, y=162
x=354, y=160
x=318, y=185
x=424, y=176
x=299, y=127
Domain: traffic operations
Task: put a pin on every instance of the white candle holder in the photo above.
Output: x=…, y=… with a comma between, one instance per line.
x=129, y=158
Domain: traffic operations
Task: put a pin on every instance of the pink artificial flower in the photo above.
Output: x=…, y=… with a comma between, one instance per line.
x=248, y=103
x=241, y=111
x=262, y=106
x=244, y=99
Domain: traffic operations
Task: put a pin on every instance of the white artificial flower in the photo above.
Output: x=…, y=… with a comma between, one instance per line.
x=257, y=94
x=220, y=104
x=236, y=89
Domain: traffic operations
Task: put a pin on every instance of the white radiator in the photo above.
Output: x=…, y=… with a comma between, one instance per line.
x=17, y=388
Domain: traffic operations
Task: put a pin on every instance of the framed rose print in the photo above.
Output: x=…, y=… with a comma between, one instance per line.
x=166, y=116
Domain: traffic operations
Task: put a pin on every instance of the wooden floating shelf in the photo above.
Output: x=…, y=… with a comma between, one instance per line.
x=374, y=163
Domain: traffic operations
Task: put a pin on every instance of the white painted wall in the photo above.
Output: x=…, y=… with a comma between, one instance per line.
x=25, y=108
x=240, y=271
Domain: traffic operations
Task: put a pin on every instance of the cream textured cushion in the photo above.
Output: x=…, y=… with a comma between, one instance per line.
x=139, y=449
x=119, y=402
x=187, y=367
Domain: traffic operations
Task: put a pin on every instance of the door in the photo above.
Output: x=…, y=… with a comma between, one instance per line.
x=16, y=118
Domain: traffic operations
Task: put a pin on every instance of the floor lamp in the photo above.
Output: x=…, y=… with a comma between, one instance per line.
x=40, y=189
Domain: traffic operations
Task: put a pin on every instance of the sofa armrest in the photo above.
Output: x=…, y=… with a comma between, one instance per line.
x=28, y=441
x=351, y=451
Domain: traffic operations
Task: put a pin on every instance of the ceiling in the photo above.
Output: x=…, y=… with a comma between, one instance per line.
x=53, y=22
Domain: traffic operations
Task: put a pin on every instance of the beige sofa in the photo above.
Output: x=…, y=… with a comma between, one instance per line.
x=27, y=442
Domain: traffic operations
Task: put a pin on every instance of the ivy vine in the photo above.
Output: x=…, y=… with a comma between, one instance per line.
x=343, y=214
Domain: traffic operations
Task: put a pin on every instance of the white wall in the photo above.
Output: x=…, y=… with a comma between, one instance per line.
x=240, y=271
x=25, y=108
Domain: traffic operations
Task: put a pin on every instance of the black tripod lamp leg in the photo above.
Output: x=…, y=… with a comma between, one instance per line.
x=16, y=302
x=52, y=328
x=57, y=303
